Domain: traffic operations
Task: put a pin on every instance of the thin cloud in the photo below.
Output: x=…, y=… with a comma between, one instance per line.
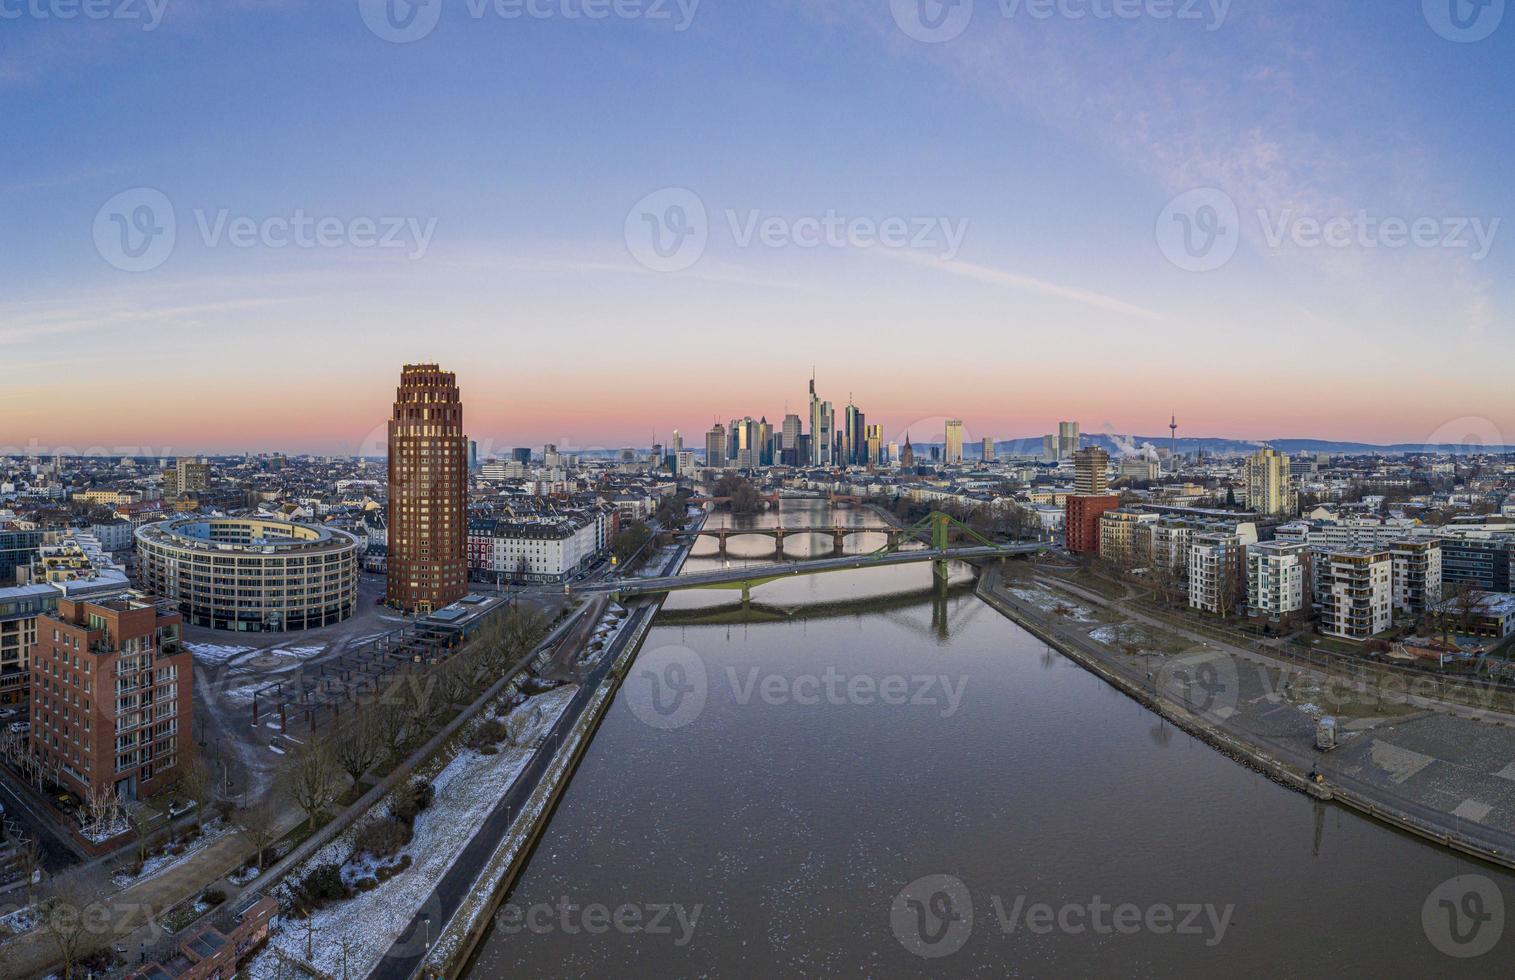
x=1016, y=280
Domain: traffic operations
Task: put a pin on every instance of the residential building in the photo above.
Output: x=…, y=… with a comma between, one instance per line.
x=1354, y=589
x=111, y=709
x=1082, y=519
x=1269, y=491
x=1278, y=573
x=1217, y=571
x=1417, y=575
x=542, y=550
x=1091, y=471
x=428, y=492
x=1119, y=539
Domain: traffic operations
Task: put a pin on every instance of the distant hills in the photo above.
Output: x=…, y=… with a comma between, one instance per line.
x=1125, y=445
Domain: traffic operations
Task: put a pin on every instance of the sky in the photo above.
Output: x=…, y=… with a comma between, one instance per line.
x=226, y=224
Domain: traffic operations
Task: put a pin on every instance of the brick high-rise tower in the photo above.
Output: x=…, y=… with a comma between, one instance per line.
x=428, y=492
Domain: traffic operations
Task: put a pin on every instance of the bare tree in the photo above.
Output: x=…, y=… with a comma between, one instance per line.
x=103, y=806
x=29, y=859
x=359, y=745
x=139, y=820
x=392, y=724
x=313, y=779
x=72, y=922
x=258, y=825
x=455, y=680
x=523, y=631
x=200, y=788
x=1453, y=609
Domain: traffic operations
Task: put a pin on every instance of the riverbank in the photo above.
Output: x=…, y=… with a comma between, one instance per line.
x=1423, y=772
x=449, y=923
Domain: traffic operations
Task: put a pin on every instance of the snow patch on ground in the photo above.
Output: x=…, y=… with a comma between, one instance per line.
x=18, y=922
x=159, y=863
x=1049, y=603
x=467, y=789
x=302, y=653
x=215, y=653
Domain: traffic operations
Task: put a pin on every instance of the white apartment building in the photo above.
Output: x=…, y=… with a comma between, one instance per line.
x=1276, y=575
x=541, y=550
x=1354, y=589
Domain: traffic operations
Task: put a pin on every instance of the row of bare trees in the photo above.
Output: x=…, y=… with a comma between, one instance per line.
x=378, y=735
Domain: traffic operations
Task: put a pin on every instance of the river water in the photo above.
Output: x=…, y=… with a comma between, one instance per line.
x=866, y=775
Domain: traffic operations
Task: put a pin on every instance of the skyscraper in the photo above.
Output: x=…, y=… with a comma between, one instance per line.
x=875, y=452
x=790, y=448
x=1089, y=471
x=715, y=447
x=428, y=492
x=954, y=441
x=988, y=454
x=1068, y=441
x=815, y=424
x=827, y=434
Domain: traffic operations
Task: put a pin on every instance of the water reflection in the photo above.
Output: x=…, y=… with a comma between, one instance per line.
x=797, y=825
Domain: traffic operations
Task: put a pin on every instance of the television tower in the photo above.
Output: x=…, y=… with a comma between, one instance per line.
x=1173, y=437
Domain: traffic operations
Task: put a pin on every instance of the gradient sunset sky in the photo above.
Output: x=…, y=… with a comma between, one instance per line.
x=1055, y=143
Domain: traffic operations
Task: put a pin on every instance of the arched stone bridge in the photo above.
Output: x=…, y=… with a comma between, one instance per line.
x=839, y=534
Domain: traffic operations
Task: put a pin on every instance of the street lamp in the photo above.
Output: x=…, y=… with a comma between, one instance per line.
x=426, y=918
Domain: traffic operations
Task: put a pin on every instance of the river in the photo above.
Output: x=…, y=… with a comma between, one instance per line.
x=866, y=775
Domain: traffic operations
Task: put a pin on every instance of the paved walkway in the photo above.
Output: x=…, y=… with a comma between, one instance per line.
x=130, y=912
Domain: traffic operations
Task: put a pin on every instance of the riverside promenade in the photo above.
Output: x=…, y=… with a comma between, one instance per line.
x=1443, y=772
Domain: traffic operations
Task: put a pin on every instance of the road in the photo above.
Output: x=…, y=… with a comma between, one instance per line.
x=53, y=846
x=407, y=953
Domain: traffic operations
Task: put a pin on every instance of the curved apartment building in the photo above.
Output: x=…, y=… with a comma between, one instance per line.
x=251, y=574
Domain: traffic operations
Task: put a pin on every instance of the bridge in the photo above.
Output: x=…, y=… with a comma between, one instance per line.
x=750, y=577
x=839, y=534
x=939, y=526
